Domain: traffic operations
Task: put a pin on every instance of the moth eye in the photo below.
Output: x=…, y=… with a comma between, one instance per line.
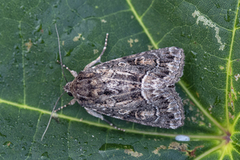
x=70, y=94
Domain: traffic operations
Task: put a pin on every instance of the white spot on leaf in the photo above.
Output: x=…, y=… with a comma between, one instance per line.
x=103, y=21
x=182, y=138
x=95, y=51
x=207, y=22
x=236, y=77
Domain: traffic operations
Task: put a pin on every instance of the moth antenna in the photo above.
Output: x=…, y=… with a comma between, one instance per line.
x=70, y=103
x=59, y=50
x=74, y=73
x=51, y=116
x=105, y=45
x=98, y=60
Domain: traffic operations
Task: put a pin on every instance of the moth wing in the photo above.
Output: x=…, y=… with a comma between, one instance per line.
x=162, y=108
x=165, y=64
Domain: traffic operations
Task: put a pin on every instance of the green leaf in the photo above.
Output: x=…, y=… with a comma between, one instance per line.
x=31, y=80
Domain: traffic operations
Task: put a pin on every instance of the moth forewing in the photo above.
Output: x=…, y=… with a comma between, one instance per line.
x=138, y=88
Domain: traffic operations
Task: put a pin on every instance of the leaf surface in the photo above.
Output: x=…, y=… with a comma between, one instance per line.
x=31, y=80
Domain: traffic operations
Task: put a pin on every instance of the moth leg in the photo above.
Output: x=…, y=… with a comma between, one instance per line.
x=54, y=112
x=98, y=60
x=74, y=73
x=95, y=114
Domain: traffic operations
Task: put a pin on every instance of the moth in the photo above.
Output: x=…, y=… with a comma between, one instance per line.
x=139, y=88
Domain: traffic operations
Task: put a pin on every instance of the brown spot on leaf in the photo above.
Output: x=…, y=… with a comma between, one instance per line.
x=177, y=146
x=8, y=144
x=192, y=103
x=191, y=153
x=197, y=94
x=28, y=45
x=156, y=151
x=193, y=119
x=130, y=42
x=132, y=153
x=230, y=115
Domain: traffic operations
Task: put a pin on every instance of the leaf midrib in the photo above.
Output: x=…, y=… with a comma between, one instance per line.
x=42, y=111
x=229, y=72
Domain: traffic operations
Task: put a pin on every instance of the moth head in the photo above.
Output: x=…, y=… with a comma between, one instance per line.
x=67, y=89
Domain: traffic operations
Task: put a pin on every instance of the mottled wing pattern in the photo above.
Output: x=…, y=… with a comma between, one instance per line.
x=137, y=88
x=165, y=63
